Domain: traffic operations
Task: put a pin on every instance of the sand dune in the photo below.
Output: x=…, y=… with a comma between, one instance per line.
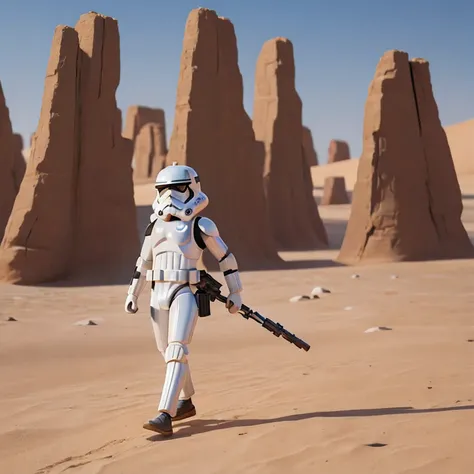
x=398, y=401
x=461, y=142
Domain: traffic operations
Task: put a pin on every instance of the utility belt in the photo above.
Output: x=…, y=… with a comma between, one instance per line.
x=192, y=277
x=177, y=276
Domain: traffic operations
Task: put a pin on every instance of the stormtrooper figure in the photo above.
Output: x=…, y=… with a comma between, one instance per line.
x=174, y=242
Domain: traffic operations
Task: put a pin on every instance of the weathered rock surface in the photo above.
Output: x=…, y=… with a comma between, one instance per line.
x=149, y=152
x=277, y=123
x=138, y=116
x=406, y=203
x=334, y=191
x=338, y=151
x=75, y=212
x=8, y=188
x=213, y=134
x=106, y=234
x=19, y=164
x=444, y=192
x=39, y=238
x=308, y=148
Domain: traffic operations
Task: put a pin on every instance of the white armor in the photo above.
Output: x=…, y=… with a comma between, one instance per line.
x=174, y=242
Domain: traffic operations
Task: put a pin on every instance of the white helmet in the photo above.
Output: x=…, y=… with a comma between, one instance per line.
x=179, y=193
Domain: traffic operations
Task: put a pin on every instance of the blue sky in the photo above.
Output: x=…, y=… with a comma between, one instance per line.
x=337, y=46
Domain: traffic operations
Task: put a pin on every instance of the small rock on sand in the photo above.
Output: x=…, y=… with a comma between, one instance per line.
x=318, y=290
x=295, y=299
x=355, y=276
x=11, y=318
x=85, y=322
x=377, y=328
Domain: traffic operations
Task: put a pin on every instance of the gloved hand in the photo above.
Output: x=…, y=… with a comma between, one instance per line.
x=131, y=304
x=234, y=302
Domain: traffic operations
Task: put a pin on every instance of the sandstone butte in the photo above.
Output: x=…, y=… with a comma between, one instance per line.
x=149, y=153
x=308, y=148
x=407, y=201
x=338, y=151
x=137, y=116
x=334, y=191
x=8, y=179
x=213, y=134
x=75, y=213
x=277, y=123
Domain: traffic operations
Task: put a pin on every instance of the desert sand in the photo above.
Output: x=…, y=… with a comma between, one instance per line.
x=388, y=384
x=263, y=405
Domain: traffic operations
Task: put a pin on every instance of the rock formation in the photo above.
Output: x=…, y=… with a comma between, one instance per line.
x=106, y=236
x=75, y=212
x=19, y=164
x=407, y=201
x=308, y=148
x=39, y=238
x=8, y=188
x=138, y=116
x=277, y=123
x=338, y=151
x=334, y=191
x=18, y=142
x=213, y=134
x=149, y=151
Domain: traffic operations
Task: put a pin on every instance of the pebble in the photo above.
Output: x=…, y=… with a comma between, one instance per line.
x=318, y=290
x=85, y=322
x=295, y=299
x=11, y=318
x=393, y=277
x=377, y=328
x=355, y=276
x=348, y=308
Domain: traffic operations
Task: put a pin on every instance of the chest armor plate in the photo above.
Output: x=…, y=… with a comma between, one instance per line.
x=175, y=237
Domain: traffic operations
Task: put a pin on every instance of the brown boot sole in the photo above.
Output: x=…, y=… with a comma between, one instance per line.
x=188, y=414
x=156, y=429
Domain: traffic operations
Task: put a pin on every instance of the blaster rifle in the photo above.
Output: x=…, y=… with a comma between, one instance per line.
x=211, y=287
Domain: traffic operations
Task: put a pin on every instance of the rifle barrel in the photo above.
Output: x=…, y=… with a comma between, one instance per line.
x=276, y=328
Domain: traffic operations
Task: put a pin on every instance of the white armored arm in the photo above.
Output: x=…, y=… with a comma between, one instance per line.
x=144, y=263
x=218, y=248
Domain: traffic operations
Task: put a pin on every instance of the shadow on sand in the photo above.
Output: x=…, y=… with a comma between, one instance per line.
x=194, y=427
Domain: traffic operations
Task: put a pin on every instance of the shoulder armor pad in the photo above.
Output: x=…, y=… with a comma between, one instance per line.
x=149, y=228
x=208, y=227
